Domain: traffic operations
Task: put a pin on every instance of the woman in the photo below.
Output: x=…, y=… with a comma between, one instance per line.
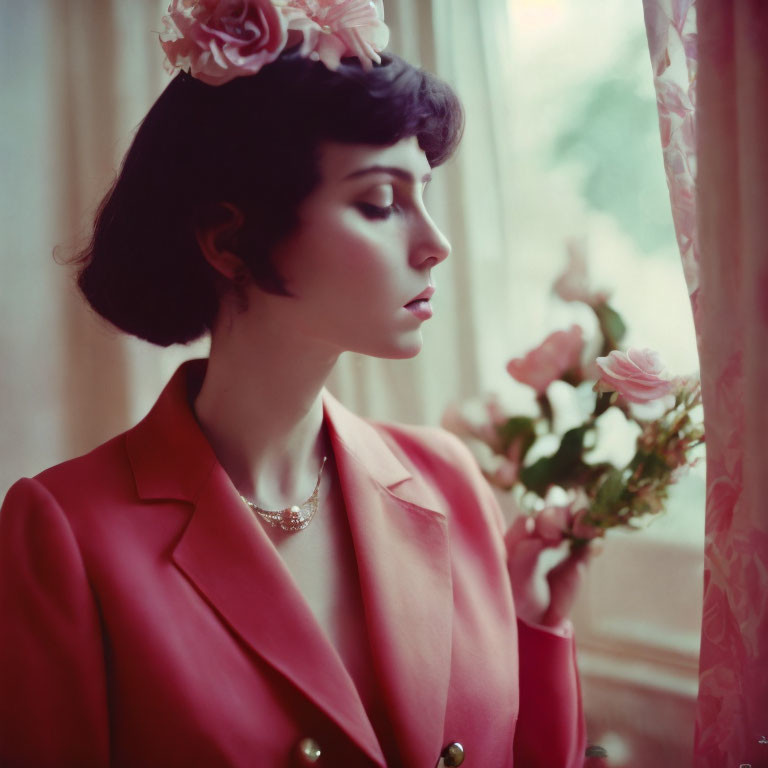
x=253, y=575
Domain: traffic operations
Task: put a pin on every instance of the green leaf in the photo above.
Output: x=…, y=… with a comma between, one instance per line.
x=610, y=490
x=518, y=428
x=653, y=465
x=611, y=324
x=571, y=447
x=538, y=477
x=559, y=469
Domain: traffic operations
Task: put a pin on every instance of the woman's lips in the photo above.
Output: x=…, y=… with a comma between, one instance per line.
x=421, y=308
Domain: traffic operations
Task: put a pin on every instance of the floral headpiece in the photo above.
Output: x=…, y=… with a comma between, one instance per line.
x=218, y=40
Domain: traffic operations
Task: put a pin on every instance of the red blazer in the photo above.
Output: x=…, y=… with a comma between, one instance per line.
x=147, y=620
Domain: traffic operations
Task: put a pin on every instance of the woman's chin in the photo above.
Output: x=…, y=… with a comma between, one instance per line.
x=406, y=354
x=405, y=347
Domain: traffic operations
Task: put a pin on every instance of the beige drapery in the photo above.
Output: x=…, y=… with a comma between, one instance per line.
x=68, y=382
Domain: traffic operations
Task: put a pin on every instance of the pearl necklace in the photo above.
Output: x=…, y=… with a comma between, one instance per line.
x=291, y=519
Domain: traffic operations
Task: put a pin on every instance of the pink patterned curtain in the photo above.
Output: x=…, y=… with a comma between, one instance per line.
x=710, y=61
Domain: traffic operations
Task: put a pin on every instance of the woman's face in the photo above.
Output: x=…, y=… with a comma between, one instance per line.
x=363, y=250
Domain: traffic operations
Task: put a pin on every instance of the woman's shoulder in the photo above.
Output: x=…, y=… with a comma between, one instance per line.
x=108, y=472
x=71, y=484
x=446, y=465
x=440, y=457
x=434, y=445
x=423, y=450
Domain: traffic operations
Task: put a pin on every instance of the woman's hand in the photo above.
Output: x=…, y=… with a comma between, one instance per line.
x=542, y=596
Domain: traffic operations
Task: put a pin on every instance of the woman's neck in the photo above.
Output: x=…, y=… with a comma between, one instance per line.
x=260, y=407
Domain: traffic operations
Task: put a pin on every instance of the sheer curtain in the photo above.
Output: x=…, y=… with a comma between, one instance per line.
x=713, y=56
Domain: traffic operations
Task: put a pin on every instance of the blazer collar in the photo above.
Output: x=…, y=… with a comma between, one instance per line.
x=363, y=443
x=171, y=457
x=401, y=545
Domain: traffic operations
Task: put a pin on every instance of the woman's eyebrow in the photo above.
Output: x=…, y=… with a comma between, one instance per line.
x=400, y=173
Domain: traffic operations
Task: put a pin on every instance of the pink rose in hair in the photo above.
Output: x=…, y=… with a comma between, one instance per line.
x=218, y=40
x=332, y=29
x=637, y=375
x=558, y=353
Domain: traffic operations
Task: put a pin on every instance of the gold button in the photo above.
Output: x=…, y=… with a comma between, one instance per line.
x=452, y=755
x=309, y=751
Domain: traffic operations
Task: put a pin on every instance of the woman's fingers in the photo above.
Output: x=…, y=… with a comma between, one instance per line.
x=543, y=596
x=528, y=584
x=565, y=580
x=522, y=528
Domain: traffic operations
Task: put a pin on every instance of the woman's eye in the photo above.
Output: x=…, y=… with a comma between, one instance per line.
x=371, y=211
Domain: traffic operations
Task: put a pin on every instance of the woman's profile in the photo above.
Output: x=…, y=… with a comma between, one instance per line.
x=253, y=575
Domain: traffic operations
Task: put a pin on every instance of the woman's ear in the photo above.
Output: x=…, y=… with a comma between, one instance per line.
x=215, y=237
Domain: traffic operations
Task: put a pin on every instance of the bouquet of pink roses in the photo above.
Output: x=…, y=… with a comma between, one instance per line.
x=594, y=495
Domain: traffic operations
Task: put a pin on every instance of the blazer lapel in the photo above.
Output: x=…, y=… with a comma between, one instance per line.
x=402, y=549
x=225, y=553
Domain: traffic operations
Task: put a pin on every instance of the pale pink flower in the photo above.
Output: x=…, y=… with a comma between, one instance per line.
x=218, y=40
x=455, y=421
x=637, y=375
x=557, y=354
x=494, y=410
x=506, y=473
x=466, y=424
x=675, y=453
x=573, y=282
x=332, y=29
x=489, y=435
x=649, y=437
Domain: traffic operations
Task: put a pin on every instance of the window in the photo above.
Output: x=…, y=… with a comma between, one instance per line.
x=588, y=168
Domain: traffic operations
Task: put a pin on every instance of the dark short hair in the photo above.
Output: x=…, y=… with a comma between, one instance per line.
x=252, y=143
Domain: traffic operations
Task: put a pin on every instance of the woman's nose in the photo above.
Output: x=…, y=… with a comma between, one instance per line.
x=430, y=242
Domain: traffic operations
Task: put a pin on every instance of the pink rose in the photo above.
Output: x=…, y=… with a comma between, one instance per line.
x=332, y=29
x=636, y=375
x=218, y=40
x=573, y=283
x=558, y=353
